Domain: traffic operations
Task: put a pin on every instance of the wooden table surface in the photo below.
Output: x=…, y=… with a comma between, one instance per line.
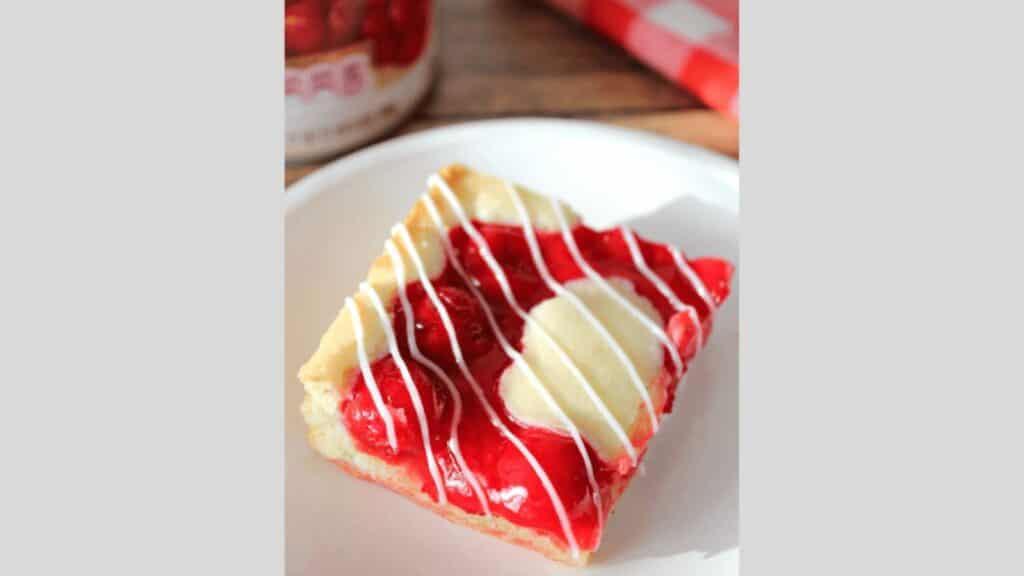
x=504, y=58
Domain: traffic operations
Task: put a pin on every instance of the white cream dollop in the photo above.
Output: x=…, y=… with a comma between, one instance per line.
x=594, y=358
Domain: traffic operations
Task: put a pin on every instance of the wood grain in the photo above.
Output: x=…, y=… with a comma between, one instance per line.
x=517, y=94
x=501, y=58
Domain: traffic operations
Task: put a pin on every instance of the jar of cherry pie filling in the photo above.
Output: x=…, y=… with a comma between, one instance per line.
x=354, y=69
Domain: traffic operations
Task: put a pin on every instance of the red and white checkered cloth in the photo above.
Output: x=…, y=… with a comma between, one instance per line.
x=694, y=43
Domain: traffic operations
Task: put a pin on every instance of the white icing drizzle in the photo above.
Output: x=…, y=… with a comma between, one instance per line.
x=694, y=280
x=556, y=501
x=371, y=383
x=535, y=380
x=574, y=251
x=410, y=386
x=414, y=351
x=557, y=288
x=666, y=291
x=511, y=352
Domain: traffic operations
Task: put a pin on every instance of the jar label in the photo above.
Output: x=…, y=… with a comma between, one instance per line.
x=344, y=78
x=353, y=70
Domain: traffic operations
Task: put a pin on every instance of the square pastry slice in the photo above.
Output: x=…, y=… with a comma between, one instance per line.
x=505, y=365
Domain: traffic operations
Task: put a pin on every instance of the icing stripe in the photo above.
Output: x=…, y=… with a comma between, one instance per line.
x=574, y=251
x=512, y=353
x=414, y=350
x=666, y=291
x=410, y=386
x=364, y=367
x=557, y=288
x=556, y=501
x=695, y=281
x=640, y=264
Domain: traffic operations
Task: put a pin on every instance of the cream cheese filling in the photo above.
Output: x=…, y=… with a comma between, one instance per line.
x=593, y=356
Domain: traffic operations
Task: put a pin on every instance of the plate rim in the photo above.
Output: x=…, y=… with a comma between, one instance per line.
x=327, y=178
x=309, y=186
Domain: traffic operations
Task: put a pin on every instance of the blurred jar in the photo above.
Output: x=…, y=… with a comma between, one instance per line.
x=354, y=69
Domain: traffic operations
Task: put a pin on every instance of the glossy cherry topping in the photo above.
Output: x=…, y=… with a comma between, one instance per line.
x=511, y=486
x=474, y=336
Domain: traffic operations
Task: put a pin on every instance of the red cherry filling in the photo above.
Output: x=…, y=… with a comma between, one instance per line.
x=342, y=22
x=398, y=30
x=683, y=332
x=376, y=27
x=402, y=13
x=510, y=250
x=410, y=18
x=471, y=329
x=525, y=496
x=362, y=418
x=612, y=244
x=303, y=27
x=716, y=275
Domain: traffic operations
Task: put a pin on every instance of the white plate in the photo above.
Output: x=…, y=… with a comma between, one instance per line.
x=680, y=517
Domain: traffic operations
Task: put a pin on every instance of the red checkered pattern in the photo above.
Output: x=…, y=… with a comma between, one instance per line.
x=694, y=43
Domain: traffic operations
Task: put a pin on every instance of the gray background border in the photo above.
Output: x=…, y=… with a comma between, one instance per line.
x=140, y=236
x=879, y=375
